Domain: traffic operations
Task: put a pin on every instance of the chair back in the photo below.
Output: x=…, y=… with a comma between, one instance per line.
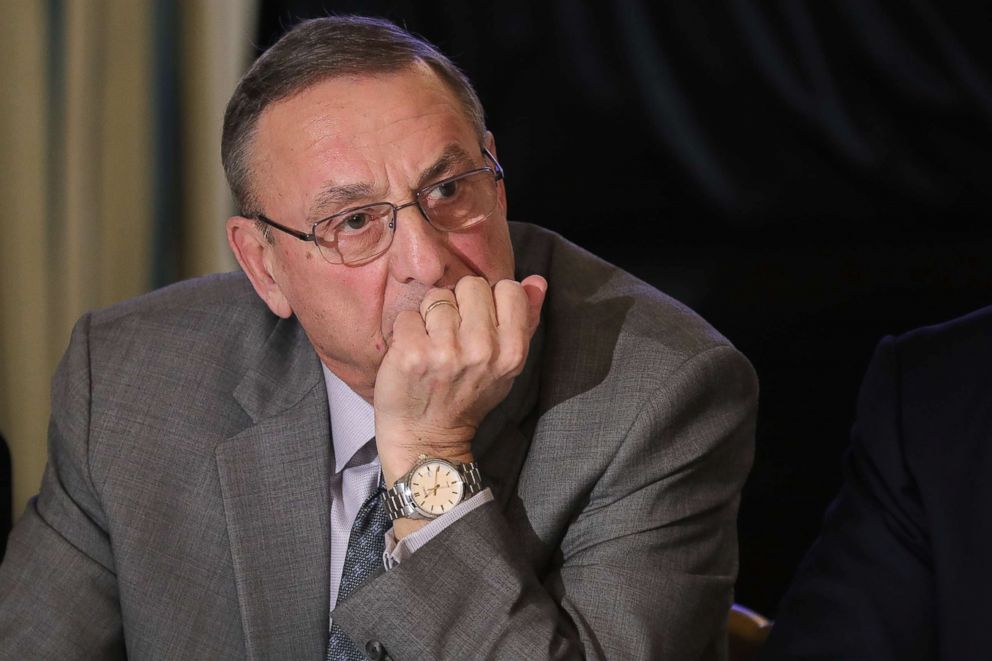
x=746, y=633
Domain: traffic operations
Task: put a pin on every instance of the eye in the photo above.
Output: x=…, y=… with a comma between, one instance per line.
x=444, y=191
x=448, y=189
x=355, y=221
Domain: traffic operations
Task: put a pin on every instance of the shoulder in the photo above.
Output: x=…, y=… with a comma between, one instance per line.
x=184, y=347
x=960, y=348
x=938, y=371
x=601, y=310
x=217, y=295
x=615, y=347
x=931, y=389
x=184, y=322
x=155, y=381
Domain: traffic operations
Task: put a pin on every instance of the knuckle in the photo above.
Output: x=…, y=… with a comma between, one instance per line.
x=512, y=358
x=478, y=353
x=412, y=361
x=444, y=359
x=515, y=355
x=514, y=364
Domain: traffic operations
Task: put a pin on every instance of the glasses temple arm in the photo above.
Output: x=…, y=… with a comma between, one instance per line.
x=302, y=236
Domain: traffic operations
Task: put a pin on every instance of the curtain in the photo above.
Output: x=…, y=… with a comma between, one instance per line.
x=111, y=180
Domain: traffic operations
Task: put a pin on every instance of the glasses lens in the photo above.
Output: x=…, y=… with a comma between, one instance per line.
x=460, y=202
x=356, y=235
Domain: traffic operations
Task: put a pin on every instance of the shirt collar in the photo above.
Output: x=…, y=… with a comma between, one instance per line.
x=352, y=419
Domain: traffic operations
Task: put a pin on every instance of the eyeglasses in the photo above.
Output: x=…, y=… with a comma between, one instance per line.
x=359, y=235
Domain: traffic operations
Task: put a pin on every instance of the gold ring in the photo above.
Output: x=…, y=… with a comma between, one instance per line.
x=442, y=301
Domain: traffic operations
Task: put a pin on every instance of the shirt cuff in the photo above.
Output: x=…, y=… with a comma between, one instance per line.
x=397, y=552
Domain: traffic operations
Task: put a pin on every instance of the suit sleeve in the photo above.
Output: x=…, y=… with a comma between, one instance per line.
x=865, y=589
x=58, y=591
x=646, y=566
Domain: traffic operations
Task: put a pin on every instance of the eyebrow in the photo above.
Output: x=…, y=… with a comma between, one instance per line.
x=338, y=197
x=347, y=195
x=451, y=156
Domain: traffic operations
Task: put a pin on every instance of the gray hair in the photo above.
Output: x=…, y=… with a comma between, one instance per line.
x=316, y=50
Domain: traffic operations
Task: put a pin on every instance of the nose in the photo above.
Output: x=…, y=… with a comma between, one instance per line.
x=419, y=252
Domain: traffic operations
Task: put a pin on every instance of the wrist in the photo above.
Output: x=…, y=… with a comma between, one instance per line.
x=432, y=488
x=400, y=448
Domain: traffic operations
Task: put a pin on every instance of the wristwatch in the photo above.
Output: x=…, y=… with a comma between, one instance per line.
x=431, y=488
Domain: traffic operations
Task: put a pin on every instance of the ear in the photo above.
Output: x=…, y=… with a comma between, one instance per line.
x=490, y=142
x=255, y=254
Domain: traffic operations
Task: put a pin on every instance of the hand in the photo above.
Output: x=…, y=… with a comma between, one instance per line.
x=447, y=368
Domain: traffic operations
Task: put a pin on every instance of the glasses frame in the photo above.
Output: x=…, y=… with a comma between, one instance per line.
x=496, y=171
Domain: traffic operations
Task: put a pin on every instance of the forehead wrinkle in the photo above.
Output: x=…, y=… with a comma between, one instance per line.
x=340, y=196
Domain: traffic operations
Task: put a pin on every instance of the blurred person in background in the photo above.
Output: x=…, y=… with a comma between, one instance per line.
x=901, y=569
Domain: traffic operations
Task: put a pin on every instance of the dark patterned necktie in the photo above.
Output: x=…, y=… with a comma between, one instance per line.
x=362, y=561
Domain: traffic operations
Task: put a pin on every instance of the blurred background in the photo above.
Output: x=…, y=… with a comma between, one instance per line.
x=809, y=176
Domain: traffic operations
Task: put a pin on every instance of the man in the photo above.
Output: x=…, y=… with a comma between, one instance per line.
x=562, y=447
x=901, y=569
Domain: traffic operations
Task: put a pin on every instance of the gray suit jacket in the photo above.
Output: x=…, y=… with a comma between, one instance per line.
x=183, y=513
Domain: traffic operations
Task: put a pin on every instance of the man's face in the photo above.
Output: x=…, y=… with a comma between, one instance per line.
x=368, y=139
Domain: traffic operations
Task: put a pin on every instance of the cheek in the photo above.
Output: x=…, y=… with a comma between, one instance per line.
x=355, y=305
x=489, y=251
x=340, y=308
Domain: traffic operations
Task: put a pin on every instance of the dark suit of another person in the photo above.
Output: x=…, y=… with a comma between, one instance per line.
x=903, y=566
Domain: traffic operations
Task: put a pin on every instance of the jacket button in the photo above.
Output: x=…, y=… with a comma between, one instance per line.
x=375, y=651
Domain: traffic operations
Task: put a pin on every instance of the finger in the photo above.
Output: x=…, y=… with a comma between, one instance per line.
x=536, y=288
x=511, y=305
x=408, y=327
x=440, y=313
x=514, y=331
x=475, y=302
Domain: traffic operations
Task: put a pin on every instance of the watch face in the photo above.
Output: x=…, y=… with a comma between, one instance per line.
x=436, y=487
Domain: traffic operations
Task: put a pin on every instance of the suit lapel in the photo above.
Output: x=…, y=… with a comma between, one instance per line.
x=274, y=477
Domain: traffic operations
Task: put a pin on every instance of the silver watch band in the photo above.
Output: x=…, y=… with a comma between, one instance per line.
x=399, y=501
